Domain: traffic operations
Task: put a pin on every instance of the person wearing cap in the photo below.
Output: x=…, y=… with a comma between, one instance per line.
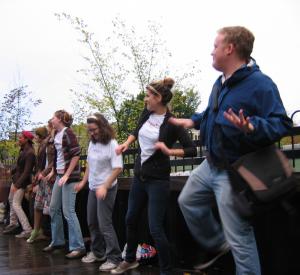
x=151, y=182
x=43, y=181
x=22, y=177
x=102, y=170
x=67, y=170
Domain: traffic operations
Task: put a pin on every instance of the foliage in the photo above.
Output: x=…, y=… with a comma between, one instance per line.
x=82, y=136
x=107, y=74
x=140, y=59
x=144, y=54
x=129, y=113
x=15, y=111
x=9, y=150
x=184, y=103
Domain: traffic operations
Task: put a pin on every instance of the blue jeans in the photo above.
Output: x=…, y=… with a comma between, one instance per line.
x=205, y=183
x=156, y=194
x=65, y=196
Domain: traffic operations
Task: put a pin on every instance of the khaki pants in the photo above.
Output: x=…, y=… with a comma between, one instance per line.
x=16, y=210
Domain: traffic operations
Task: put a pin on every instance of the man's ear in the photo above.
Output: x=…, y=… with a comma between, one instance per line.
x=229, y=49
x=159, y=97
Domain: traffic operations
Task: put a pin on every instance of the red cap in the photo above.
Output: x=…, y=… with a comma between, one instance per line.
x=28, y=135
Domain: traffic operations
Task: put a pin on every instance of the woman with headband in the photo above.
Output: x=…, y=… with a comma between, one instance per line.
x=102, y=170
x=151, y=183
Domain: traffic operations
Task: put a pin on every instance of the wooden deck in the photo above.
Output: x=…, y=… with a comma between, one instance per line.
x=17, y=257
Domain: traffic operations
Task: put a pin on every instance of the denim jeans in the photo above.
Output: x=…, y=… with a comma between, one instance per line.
x=104, y=240
x=65, y=196
x=156, y=193
x=205, y=183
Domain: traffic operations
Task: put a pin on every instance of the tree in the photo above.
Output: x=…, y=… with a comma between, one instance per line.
x=121, y=60
x=145, y=54
x=8, y=150
x=129, y=114
x=185, y=103
x=105, y=92
x=15, y=112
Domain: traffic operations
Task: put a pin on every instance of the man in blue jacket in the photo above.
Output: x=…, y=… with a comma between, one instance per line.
x=244, y=112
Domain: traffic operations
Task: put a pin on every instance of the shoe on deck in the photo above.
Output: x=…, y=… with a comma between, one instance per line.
x=23, y=235
x=91, y=258
x=75, y=254
x=108, y=266
x=9, y=229
x=212, y=258
x=36, y=235
x=51, y=248
x=124, y=266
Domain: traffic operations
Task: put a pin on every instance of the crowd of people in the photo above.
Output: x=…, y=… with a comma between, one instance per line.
x=244, y=112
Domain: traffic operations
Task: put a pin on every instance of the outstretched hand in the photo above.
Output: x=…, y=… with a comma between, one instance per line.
x=239, y=120
x=121, y=148
x=184, y=122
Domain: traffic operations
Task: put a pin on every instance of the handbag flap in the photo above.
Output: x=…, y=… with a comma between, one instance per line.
x=263, y=168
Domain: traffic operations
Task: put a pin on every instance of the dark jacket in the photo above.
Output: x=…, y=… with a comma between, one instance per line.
x=248, y=89
x=46, y=151
x=71, y=149
x=158, y=166
x=22, y=174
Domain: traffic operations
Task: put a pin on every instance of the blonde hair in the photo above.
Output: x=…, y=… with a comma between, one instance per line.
x=241, y=38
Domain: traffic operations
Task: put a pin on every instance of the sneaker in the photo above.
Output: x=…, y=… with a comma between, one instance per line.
x=138, y=252
x=147, y=251
x=23, y=235
x=91, y=258
x=9, y=229
x=107, y=266
x=124, y=266
x=212, y=258
x=50, y=248
x=75, y=254
x=33, y=236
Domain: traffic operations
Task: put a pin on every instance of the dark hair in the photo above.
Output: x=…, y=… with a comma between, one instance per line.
x=65, y=117
x=41, y=132
x=107, y=133
x=163, y=87
x=241, y=38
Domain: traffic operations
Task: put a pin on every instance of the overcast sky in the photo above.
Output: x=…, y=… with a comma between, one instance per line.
x=39, y=51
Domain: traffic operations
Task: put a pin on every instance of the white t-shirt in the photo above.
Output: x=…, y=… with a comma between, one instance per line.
x=101, y=160
x=148, y=135
x=60, y=161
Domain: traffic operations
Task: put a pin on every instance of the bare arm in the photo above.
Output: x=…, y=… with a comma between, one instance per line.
x=167, y=151
x=124, y=146
x=102, y=190
x=184, y=122
x=84, y=180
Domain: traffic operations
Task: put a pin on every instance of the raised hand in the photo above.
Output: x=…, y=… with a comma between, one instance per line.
x=184, y=122
x=239, y=120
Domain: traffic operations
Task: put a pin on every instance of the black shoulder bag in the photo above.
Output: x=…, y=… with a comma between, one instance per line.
x=261, y=180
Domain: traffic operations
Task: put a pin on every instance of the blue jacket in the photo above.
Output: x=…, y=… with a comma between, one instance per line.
x=248, y=89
